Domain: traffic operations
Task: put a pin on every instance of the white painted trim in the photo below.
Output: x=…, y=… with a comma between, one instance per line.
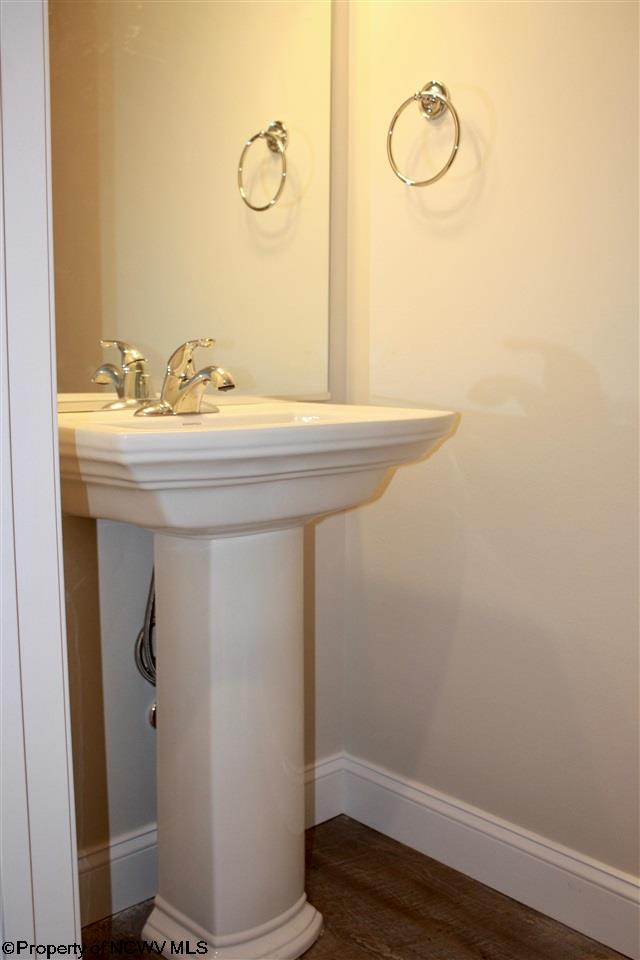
x=582, y=893
x=324, y=793
x=115, y=876
x=16, y=901
x=36, y=642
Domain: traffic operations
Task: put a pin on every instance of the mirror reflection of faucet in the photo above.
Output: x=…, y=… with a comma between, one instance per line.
x=130, y=379
x=183, y=386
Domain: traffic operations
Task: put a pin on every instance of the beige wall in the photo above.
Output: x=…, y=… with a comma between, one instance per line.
x=491, y=612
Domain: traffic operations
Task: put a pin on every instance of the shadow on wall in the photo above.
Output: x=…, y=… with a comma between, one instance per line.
x=310, y=644
x=86, y=693
x=492, y=599
x=446, y=211
x=570, y=388
x=575, y=452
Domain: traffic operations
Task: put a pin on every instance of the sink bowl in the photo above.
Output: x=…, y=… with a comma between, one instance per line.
x=254, y=465
x=227, y=495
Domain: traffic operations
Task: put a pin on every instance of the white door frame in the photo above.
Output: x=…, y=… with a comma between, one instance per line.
x=38, y=860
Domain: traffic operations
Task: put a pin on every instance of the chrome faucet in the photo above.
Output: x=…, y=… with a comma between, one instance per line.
x=130, y=379
x=183, y=387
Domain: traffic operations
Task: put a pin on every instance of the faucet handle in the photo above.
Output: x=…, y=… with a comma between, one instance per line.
x=180, y=363
x=128, y=353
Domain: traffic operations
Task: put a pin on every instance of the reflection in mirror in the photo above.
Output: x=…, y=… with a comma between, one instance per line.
x=152, y=103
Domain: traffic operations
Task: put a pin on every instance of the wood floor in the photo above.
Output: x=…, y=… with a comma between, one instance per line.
x=381, y=899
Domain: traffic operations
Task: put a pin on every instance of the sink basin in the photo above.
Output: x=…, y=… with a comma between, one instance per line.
x=254, y=465
x=227, y=495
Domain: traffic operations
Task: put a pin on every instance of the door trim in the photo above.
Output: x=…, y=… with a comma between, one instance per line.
x=38, y=852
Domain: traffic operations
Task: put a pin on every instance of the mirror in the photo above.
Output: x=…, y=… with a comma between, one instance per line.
x=152, y=102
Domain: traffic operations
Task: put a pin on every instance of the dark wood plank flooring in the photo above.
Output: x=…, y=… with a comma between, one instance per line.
x=381, y=899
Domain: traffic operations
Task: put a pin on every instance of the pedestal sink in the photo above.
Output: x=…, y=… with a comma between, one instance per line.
x=227, y=495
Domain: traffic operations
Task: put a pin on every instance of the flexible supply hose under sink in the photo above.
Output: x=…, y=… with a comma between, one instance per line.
x=144, y=649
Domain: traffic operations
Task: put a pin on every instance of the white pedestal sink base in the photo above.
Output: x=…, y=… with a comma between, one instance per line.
x=285, y=937
x=230, y=746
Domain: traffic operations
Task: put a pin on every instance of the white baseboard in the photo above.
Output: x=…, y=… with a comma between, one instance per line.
x=118, y=874
x=582, y=893
x=324, y=790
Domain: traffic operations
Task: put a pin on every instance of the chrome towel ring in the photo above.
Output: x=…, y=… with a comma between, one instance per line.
x=433, y=100
x=276, y=138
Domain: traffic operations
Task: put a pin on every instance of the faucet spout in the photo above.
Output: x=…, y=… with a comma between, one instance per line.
x=108, y=373
x=191, y=390
x=223, y=379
